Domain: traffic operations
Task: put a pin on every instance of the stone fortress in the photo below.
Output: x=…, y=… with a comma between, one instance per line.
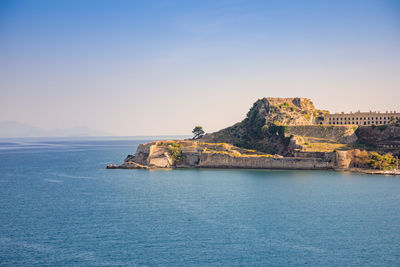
x=360, y=118
x=280, y=133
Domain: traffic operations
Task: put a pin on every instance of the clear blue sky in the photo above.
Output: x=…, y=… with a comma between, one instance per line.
x=161, y=67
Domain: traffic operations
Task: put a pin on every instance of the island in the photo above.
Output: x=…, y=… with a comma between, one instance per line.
x=284, y=133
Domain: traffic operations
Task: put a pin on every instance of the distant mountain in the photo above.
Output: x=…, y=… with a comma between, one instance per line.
x=17, y=129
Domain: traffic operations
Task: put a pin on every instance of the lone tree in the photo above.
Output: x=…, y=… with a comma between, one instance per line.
x=198, y=132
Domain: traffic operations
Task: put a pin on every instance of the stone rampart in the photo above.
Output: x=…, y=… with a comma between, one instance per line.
x=375, y=135
x=208, y=160
x=156, y=155
x=325, y=133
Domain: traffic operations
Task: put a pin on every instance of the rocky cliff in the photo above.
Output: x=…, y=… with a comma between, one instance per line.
x=263, y=128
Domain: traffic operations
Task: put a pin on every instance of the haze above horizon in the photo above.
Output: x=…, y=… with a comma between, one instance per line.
x=162, y=67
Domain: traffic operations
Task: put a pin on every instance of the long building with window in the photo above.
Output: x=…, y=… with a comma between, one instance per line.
x=361, y=118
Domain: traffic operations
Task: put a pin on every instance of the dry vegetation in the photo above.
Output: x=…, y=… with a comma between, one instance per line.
x=324, y=147
x=233, y=151
x=175, y=148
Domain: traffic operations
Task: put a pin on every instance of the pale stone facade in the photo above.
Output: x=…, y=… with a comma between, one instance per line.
x=361, y=118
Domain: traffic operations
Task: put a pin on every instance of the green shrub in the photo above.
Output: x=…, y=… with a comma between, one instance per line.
x=382, y=162
x=274, y=129
x=254, y=123
x=174, y=149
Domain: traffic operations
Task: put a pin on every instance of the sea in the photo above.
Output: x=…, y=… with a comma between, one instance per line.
x=59, y=206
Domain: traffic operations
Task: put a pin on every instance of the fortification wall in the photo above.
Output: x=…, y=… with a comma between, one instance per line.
x=374, y=135
x=154, y=155
x=327, y=156
x=335, y=134
x=341, y=159
x=208, y=160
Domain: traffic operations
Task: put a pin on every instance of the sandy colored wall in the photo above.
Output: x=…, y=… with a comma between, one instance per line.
x=226, y=161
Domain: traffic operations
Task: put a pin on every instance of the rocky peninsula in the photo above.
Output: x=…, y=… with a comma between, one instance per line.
x=278, y=133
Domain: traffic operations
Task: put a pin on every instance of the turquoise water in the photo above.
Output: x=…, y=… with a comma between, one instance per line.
x=59, y=206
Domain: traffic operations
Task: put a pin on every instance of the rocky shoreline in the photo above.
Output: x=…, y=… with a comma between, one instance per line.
x=196, y=154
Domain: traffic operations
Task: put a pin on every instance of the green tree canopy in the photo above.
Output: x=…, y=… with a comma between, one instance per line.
x=382, y=162
x=198, y=132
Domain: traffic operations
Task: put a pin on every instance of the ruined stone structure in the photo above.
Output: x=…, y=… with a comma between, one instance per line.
x=360, y=118
x=280, y=133
x=193, y=154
